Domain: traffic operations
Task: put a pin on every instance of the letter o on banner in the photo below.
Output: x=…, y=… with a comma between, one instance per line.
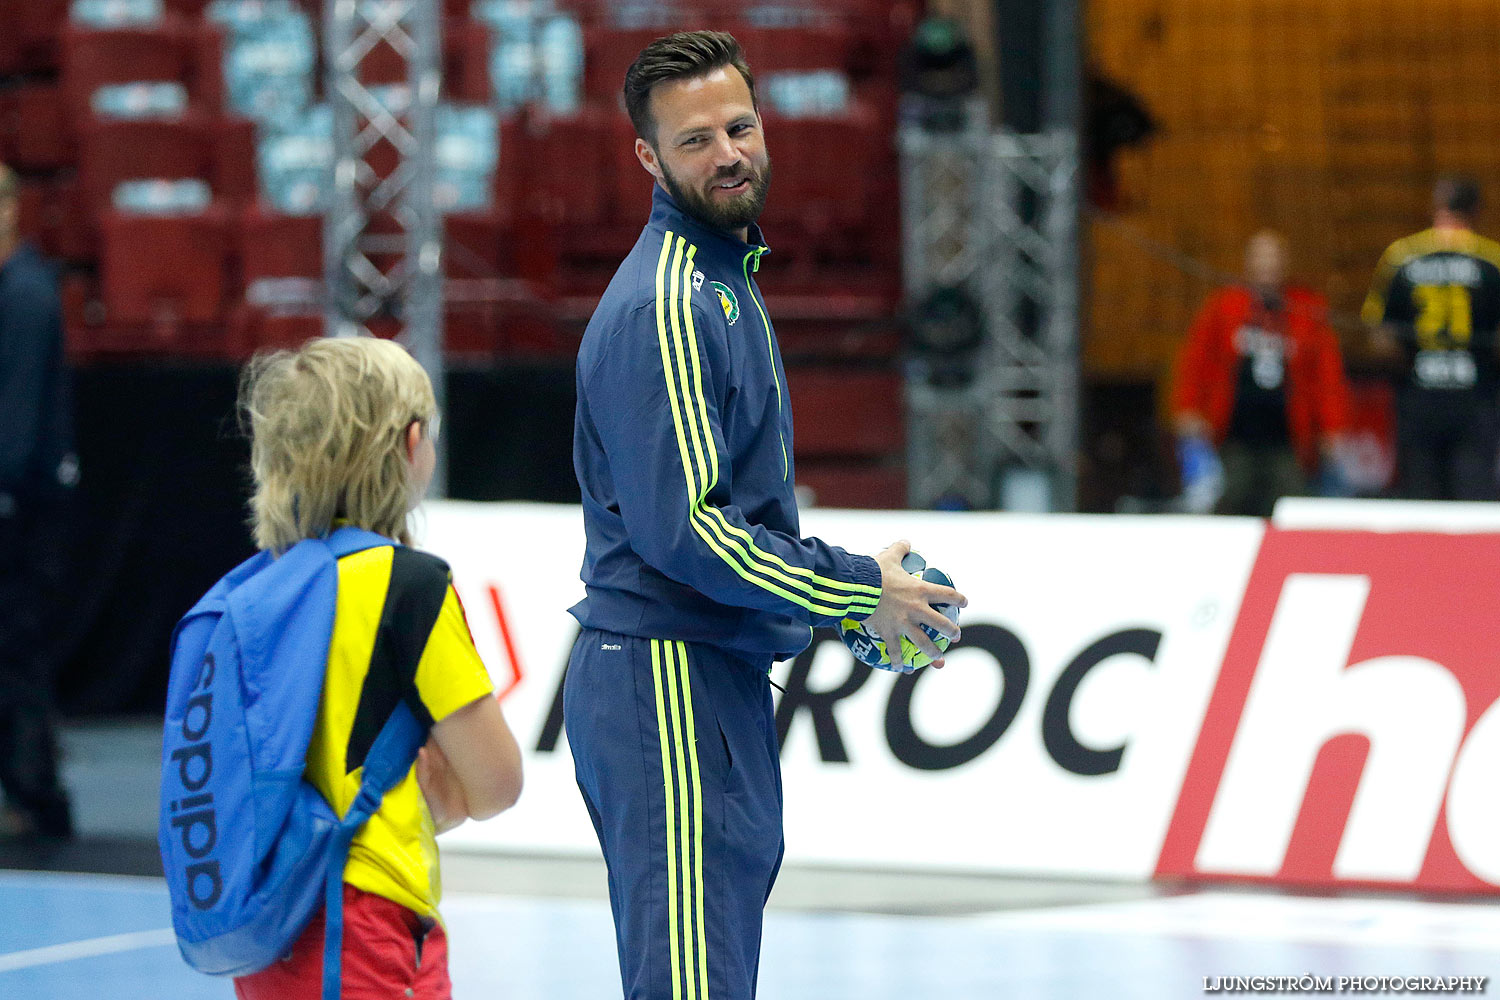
x=914, y=751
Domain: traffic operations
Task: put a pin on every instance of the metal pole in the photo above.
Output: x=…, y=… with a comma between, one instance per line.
x=423, y=305
x=1062, y=106
x=344, y=219
x=410, y=287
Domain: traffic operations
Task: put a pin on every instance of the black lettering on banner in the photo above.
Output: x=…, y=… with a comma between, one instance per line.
x=552, y=726
x=184, y=756
x=206, y=671
x=914, y=751
x=1057, y=730
x=819, y=704
x=204, y=870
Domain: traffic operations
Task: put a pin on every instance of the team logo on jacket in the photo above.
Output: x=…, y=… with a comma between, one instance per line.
x=727, y=301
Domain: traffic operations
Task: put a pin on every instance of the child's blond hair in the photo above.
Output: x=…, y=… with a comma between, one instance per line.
x=328, y=428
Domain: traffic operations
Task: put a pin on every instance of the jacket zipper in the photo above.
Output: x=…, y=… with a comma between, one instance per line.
x=786, y=465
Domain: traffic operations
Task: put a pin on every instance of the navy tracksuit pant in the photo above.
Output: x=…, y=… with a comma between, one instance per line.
x=674, y=746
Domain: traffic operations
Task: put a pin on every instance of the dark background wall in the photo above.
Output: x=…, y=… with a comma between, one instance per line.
x=160, y=510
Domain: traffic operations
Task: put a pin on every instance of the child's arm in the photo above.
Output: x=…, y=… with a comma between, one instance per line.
x=482, y=755
x=440, y=787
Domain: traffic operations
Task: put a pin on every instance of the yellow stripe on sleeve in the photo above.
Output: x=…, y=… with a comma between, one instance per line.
x=707, y=521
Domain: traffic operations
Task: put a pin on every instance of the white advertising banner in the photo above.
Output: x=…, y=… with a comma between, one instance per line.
x=1311, y=701
x=1056, y=739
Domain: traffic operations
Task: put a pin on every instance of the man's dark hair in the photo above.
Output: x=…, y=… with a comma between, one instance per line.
x=682, y=56
x=1458, y=194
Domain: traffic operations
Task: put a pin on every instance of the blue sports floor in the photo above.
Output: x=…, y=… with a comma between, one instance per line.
x=92, y=937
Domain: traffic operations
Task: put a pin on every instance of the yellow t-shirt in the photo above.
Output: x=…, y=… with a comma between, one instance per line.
x=399, y=634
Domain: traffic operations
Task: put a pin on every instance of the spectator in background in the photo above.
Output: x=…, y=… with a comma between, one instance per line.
x=1434, y=306
x=1260, y=383
x=37, y=468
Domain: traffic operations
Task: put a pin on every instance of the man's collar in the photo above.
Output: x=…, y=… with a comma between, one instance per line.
x=666, y=211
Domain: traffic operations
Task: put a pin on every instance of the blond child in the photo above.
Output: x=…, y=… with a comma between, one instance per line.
x=342, y=433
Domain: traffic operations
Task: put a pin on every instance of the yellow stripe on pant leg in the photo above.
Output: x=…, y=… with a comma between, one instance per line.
x=666, y=773
x=697, y=876
x=685, y=829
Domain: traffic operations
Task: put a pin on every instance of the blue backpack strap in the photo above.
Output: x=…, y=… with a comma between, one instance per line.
x=349, y=539
x=390, y=758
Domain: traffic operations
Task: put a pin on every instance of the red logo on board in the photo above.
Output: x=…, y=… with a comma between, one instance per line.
x=1354, y=734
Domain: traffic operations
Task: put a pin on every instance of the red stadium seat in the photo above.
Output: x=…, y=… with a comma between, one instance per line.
x=466, y=62
x=502, y=280
x=112, y=151
x=478, y=245
x=92, y=58
x=208, y=87
x=824, y=169
x=12, y=58
x=509, y=325
x=553, y=168
x=53, y=214
x=272, y=245
x=839, y=275
x=865, y=338
x=860, y=485
x=84, y=330
x=565, y=167
x=590, y=253
x=164, y=272
x=31, y=207
x=771, y=50
x=233, y=140
x=31, y=30
x=505, y=320
x=34, y=132
x=630, y=185
x=843, y=412
x=486, y=246
x=253, y=327
x=607, y=54
x=510, y=177
x=281, y=268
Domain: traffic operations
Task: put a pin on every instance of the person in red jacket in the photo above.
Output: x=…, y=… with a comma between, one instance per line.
x=1259, y=381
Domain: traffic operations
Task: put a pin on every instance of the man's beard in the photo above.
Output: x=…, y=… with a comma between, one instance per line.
x=731, y=213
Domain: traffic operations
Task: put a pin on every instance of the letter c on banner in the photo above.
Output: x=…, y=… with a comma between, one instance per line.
x=1057, y=730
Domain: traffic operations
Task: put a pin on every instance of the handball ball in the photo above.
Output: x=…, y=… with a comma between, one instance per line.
x=869, y=648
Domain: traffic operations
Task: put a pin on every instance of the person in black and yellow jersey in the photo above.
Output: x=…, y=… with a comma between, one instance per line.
x=1435, y=305
x=342, y=433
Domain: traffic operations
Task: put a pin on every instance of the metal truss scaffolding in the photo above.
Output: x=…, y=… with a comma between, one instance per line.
x=382, y=235
x=994, y=214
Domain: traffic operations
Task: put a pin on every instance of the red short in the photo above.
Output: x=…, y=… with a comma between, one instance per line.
x=388, y=952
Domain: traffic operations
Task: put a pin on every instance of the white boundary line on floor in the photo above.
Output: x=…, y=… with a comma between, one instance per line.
x=87, y=948
x=10, y=877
